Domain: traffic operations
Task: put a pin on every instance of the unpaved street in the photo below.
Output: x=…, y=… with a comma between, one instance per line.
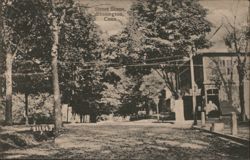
x=118, y=141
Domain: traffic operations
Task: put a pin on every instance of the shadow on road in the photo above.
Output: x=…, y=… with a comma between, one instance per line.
x=131, y=142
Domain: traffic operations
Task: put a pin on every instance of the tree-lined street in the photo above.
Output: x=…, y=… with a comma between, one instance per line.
x=71, y=89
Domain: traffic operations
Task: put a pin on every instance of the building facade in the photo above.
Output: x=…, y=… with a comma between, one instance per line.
x=217, y=81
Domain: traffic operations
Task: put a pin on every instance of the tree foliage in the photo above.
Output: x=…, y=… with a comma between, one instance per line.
x=80, y=52
x=21, y=22
x=39, y=32
x=160, y=32
x=26, y=30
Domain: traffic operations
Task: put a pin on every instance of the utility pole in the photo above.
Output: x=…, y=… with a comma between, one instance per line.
x=193, y=86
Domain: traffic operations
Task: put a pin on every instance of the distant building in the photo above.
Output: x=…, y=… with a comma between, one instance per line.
x=216, y=79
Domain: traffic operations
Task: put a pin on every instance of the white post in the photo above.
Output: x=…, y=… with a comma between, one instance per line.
x=234, y=128
x=157, y=110
x=203, y=119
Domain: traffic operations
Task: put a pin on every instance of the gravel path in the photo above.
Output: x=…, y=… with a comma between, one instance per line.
x=132, y=142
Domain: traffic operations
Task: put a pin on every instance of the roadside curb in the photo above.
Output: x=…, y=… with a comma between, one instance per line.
x=231, y=137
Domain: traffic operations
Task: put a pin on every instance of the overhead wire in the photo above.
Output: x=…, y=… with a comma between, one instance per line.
x=94, y=65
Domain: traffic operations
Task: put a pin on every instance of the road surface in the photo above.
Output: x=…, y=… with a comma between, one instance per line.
x=117, y=141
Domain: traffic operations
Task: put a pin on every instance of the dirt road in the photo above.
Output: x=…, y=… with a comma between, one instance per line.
x=118, y=141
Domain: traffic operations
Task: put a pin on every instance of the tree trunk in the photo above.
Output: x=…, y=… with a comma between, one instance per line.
x=1, y=56
x=26, y=108
x=242, y=101
x=56, y=89
x=8, y=74
x=241, y=73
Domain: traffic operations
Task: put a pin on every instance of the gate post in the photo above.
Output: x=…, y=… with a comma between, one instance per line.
x=234, y=129
x=203, y=119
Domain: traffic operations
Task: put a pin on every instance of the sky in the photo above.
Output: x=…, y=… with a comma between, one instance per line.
x=222, y=11
x=219, y=11
x=111, y=27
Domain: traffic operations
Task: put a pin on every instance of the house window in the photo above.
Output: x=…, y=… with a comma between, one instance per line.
x=215, y=91
x=229, y=63
x=220, y=62
x=223, y=63
x=212, y=91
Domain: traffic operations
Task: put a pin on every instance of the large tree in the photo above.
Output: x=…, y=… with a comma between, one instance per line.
x=43, y=32
x=237, y=40
x=21, y=21
x=1, y=55
x=120, y=93
x=79, y=59
x=163, y=32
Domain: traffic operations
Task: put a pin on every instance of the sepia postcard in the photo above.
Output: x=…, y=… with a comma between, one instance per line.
x=125, y=79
